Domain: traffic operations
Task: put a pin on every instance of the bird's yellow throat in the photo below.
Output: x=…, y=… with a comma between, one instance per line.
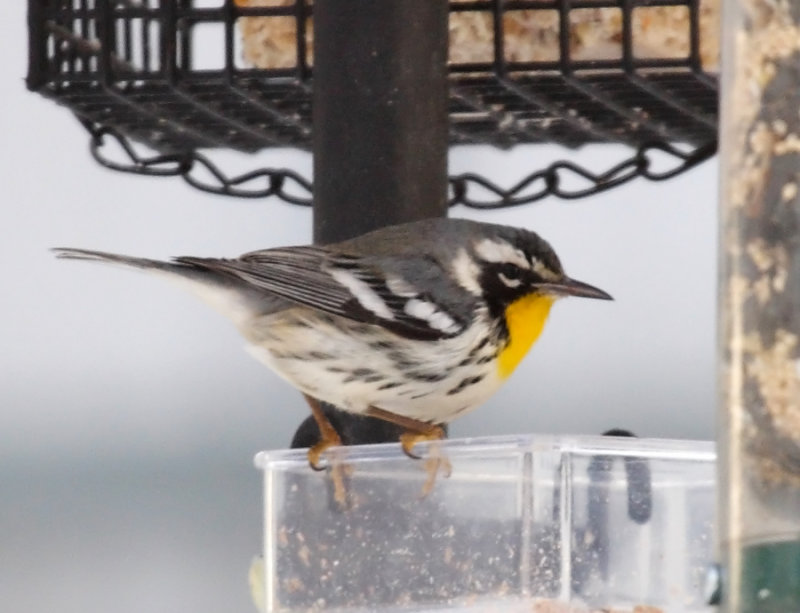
x=525, y=319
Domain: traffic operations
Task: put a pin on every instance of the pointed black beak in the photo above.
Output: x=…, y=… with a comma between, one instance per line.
x=570, y=287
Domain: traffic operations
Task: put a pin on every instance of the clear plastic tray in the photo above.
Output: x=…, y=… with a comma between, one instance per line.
x=533, y=523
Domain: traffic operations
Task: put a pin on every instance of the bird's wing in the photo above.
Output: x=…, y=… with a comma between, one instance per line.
x=358, y=288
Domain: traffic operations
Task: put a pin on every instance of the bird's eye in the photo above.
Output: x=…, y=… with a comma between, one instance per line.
x=510, y=275
x=510, y=271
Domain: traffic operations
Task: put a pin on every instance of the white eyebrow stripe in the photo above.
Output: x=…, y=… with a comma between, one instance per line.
x=363, y=293
x=500, y=251
x=543, y=271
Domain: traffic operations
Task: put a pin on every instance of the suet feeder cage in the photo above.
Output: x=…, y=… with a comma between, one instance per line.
x=517, y=72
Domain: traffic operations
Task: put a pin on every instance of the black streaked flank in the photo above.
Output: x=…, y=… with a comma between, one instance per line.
x=429, y=377
x=390, y=385
x=383, y=345
x=474, y=351
x=363, y=374
x=363, y=329
x=465, y=383
x=326, y=318
x=402, y=360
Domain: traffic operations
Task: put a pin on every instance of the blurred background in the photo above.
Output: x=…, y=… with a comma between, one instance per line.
x=130, y=414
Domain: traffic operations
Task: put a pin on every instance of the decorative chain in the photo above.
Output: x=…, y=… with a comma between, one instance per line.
x=293, y=188
x=556, y=178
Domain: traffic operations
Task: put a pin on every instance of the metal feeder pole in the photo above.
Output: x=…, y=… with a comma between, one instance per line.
x=380, y=132
x=759, y=408
x=379, y=115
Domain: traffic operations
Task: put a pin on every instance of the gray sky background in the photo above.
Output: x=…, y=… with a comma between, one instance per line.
x=130, y=413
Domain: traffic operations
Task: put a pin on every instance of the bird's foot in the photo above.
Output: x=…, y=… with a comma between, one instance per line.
x=419, y=432
x=315, y=452
x=340, y=471
x=436, y=462
x=409, y=439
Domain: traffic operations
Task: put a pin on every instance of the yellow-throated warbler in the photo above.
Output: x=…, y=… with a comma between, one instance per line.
x=416, y=323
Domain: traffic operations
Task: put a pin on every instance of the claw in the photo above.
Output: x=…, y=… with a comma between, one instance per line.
x=340, y=472
x=433, y=466
x=408, y=440
x=435, y=463
x=418, y=432
x=315, y=452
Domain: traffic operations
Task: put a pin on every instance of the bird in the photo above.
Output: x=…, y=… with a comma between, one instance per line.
x=416, y=323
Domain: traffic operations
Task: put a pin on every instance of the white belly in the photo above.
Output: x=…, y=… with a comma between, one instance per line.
x=334, y=362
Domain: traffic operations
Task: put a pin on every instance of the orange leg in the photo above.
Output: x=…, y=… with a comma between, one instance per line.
x=328, y=437
x=418, y=432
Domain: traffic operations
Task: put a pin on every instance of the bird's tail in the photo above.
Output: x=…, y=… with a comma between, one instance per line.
x=114, y=258
x=223, y=292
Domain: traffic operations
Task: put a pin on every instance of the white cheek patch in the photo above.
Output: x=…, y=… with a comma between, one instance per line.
x=495, y=251
x=427, y=311
x=363, y=293
x=509, y=282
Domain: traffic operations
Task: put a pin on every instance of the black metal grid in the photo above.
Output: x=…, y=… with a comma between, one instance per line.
x=139, y=66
